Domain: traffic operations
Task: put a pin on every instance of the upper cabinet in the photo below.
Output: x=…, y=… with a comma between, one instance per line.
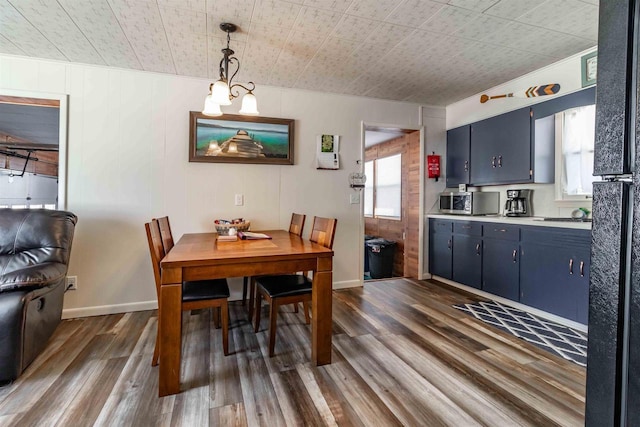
x=458, y=163
x=512, y=148
x=501, y=149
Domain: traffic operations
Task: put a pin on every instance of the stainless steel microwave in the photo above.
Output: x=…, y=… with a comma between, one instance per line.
x=470, y=203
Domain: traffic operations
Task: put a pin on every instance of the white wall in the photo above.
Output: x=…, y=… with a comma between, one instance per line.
x=568, y=74
x=128, y=162
x=435, y=142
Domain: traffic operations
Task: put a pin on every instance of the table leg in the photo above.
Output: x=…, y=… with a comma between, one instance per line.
x=321, y=320
x=170, y=338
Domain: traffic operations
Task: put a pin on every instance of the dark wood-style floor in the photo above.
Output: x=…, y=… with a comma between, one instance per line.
x=401, y=356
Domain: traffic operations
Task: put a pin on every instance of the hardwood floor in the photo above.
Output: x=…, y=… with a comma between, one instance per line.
x=402, y=355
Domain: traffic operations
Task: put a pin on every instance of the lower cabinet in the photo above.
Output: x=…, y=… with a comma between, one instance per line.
x=467, y=253
x=554, y=271
x=440, y=248
x=543, y=267
x=500, y=268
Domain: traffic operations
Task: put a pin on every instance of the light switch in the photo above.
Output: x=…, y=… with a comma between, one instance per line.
x=354, y=198
x=239, y=200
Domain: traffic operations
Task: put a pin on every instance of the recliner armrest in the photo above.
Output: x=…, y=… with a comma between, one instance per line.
x=33, y=277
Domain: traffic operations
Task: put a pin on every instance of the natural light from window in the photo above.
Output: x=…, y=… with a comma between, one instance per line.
x=577, y=148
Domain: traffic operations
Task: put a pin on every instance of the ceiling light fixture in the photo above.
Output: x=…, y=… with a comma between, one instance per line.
x=224, y=90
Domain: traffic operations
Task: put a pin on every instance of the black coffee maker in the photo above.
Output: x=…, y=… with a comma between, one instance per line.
x=518, y=203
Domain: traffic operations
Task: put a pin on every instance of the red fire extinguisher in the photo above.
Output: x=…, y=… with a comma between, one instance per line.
x=433, y=165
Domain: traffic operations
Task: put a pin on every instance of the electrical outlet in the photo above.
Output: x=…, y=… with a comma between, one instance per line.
x=239, y=200
x=72, y=283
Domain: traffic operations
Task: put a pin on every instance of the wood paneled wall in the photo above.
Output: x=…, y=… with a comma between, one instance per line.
x=405, y=262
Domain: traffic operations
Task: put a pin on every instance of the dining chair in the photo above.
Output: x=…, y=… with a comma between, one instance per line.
x=291, y=288
x=165, y=233
x=195, y=294
x=296, y=226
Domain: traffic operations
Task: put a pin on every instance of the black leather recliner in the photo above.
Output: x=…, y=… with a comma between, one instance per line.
x=34, y=256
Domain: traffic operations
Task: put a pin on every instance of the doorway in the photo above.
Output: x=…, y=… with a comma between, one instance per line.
x=392, y=200
x=32, y=151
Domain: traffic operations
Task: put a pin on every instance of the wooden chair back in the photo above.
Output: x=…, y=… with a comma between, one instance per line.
x=323, y=231
x=156, y=249
x=165, y=233
x=297, y=224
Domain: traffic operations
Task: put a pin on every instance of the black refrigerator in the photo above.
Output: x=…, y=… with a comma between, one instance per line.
x=613, y=358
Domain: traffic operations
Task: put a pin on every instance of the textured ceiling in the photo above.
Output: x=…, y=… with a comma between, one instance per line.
x=427, y=51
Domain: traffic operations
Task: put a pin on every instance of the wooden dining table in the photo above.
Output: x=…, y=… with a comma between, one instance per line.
x=201, y=256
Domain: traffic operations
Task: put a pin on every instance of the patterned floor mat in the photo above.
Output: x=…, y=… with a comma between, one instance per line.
x=561, y=340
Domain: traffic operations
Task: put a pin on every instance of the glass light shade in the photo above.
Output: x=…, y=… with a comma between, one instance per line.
x=220, y=93
x=211, y=108
x=249, y=105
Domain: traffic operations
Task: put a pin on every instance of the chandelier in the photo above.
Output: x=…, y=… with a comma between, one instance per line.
x=224, y=90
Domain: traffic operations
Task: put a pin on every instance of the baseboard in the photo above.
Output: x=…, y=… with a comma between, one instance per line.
x=100, y=310
x=347, y=284
x=535, y=311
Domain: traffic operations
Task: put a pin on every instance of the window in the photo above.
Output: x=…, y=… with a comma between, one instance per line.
x=383, y=189
x=576, y=136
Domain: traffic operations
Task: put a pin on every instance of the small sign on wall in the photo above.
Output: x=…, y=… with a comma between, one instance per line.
x=327, y=156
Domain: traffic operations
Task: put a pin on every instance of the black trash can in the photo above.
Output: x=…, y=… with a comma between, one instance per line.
x=380, y=253
x=366, y=256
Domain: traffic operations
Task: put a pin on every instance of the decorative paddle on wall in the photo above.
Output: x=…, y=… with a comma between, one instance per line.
x=533, y=91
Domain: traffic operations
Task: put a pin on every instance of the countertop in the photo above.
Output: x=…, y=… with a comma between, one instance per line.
x=535, y=221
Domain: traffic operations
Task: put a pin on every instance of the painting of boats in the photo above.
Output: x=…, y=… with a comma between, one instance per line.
x=239, y=139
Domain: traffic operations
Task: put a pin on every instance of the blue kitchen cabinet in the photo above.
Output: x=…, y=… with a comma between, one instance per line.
x=467, y=253
x=441, y=248
x=458, y=151
x=500, y=260
x=554, y=271
x=501, y=149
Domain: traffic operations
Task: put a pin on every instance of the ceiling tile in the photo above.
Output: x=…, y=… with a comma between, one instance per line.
x=182, y=20
x=335, y=5
x=143, y=27
x=389, y=35
x=54, y=23
x=413, y=13
x=354, y=28
x=235, y=11
x=481, y=28
x=196, y=5
x=189, y=52
x=98, y=23
x=566, y=16
x=275, y=13
x=314, y=20
x=7, y=47
x=511, y=9
x=449, y=20
x=477, y=5
x=372, y=9
x=24, y=35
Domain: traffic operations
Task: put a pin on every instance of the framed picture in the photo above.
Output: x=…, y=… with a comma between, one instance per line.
x=240, y=139
x=589, y=68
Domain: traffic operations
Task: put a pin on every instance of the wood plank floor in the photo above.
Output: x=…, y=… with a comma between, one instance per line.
x=402, y=355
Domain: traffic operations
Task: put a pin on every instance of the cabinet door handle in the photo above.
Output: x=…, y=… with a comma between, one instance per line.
x=467, y=227
x=571, y=266
x=581, y=268
x=466, y=165
x=449, y=244
x=478, y=249
x=499, y=161
x=515, y=252
x=493, y=162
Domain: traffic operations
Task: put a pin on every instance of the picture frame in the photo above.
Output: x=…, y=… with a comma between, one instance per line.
x=232, y=138
x=589, y=68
